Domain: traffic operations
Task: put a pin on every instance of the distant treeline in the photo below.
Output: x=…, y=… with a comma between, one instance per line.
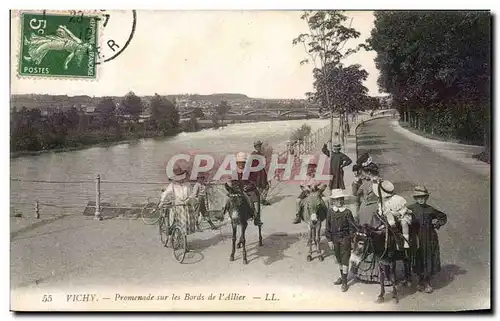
x=31, y=131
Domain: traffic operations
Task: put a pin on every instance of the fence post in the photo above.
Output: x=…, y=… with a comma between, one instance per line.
x=97, y=215
x=37, y=209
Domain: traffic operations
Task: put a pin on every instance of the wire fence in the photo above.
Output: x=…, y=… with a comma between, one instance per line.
x=105, y=191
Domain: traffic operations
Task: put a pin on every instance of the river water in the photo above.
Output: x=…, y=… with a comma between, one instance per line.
x=142, y=160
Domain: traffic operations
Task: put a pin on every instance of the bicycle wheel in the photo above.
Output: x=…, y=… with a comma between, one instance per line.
x=150, y=213
x=163, y=226
x=179, y=243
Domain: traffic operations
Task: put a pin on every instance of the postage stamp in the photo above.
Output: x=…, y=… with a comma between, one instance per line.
x=58, y=45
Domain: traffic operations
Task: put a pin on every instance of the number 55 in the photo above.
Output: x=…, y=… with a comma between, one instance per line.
x=47, y=298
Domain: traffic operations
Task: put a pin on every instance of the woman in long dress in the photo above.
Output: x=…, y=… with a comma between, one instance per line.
x=364, y=268
x=179, y=191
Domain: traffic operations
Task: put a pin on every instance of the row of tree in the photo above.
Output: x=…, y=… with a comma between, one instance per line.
x=436, y=66
x=111, y=121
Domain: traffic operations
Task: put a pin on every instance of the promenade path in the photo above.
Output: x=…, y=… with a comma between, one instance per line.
x=76, y=255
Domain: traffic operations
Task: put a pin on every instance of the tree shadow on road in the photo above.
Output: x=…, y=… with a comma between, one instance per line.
x=373, y=152
x=276, y=199
x=273, y=247
x=385, y=166
x=446, y=276
x=403, y=186
x=370, y=142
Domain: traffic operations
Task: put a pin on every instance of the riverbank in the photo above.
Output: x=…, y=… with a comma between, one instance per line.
x=203, y=125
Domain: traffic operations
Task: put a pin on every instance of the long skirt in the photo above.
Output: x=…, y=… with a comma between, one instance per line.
x=186, y=217
x=337, y=181
x=367, y=269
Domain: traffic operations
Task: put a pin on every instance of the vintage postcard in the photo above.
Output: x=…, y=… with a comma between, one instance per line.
x=250, y=160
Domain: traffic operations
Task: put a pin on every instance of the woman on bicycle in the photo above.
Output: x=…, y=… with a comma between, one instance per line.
x=178, y=193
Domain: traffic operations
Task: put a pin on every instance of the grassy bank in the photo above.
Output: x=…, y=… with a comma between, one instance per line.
x=481, y=156
x=202, y=124
x=434, y=136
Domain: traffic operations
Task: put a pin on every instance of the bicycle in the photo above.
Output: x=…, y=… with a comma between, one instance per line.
x=150, y=213
x=172, y=232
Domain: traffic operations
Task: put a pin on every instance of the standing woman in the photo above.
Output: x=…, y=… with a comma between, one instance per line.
x=365, y=269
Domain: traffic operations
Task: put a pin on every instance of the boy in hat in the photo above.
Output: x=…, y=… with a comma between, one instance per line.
x=339, y=230
x=248, y=186
x=338, y=161
x=427, y=221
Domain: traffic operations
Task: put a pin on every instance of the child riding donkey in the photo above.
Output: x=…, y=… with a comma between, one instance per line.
x=309, y=185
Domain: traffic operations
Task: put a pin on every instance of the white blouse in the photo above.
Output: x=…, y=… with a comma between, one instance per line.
x=180, y=193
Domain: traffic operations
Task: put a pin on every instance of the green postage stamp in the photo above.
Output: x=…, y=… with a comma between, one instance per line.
x=58, y=45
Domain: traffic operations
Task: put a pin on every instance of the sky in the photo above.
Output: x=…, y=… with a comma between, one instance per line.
x=203, y=52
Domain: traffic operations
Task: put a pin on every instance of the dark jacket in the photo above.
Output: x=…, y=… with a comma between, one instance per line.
x=260, y=177
x=337, y=162
x=339, y=225
x=428, y=261
x=249, y=186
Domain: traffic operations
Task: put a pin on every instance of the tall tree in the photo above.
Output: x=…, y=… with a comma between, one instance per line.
x=324, y=44
x=345, y=87
x=132, y=105
x=198, y=112
x=222, y=109
x=106, y=113
x=164, y=115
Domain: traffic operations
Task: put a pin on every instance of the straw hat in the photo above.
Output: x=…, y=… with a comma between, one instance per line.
x=337, y=193
x=313, y=161
x=420, y=191
x=257, y=143
x=336, y=146
x=179, y=169
x=363, y=159
x=386, y=187
x=241, y=157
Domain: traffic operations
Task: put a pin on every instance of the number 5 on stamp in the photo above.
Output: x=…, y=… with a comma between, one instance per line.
x=54, y=45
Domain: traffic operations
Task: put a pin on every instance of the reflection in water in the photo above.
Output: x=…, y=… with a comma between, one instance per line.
x=142, y=160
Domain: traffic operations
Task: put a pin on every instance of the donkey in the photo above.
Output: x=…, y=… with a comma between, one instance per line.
x=314, y=211
x=387, y=247
x=240, y=212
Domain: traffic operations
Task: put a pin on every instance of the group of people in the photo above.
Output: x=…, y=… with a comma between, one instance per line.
x=376, y=203
x=183, y=192
x=189, y=200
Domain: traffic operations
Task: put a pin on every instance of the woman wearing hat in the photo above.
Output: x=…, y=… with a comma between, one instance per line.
x=338, y=161
x=179, y=192
x=427, y=220
x=339, y=230
x=366, y=207
x=363, y=161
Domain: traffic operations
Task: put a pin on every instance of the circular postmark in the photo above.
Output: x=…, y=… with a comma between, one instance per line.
x=117, y=29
